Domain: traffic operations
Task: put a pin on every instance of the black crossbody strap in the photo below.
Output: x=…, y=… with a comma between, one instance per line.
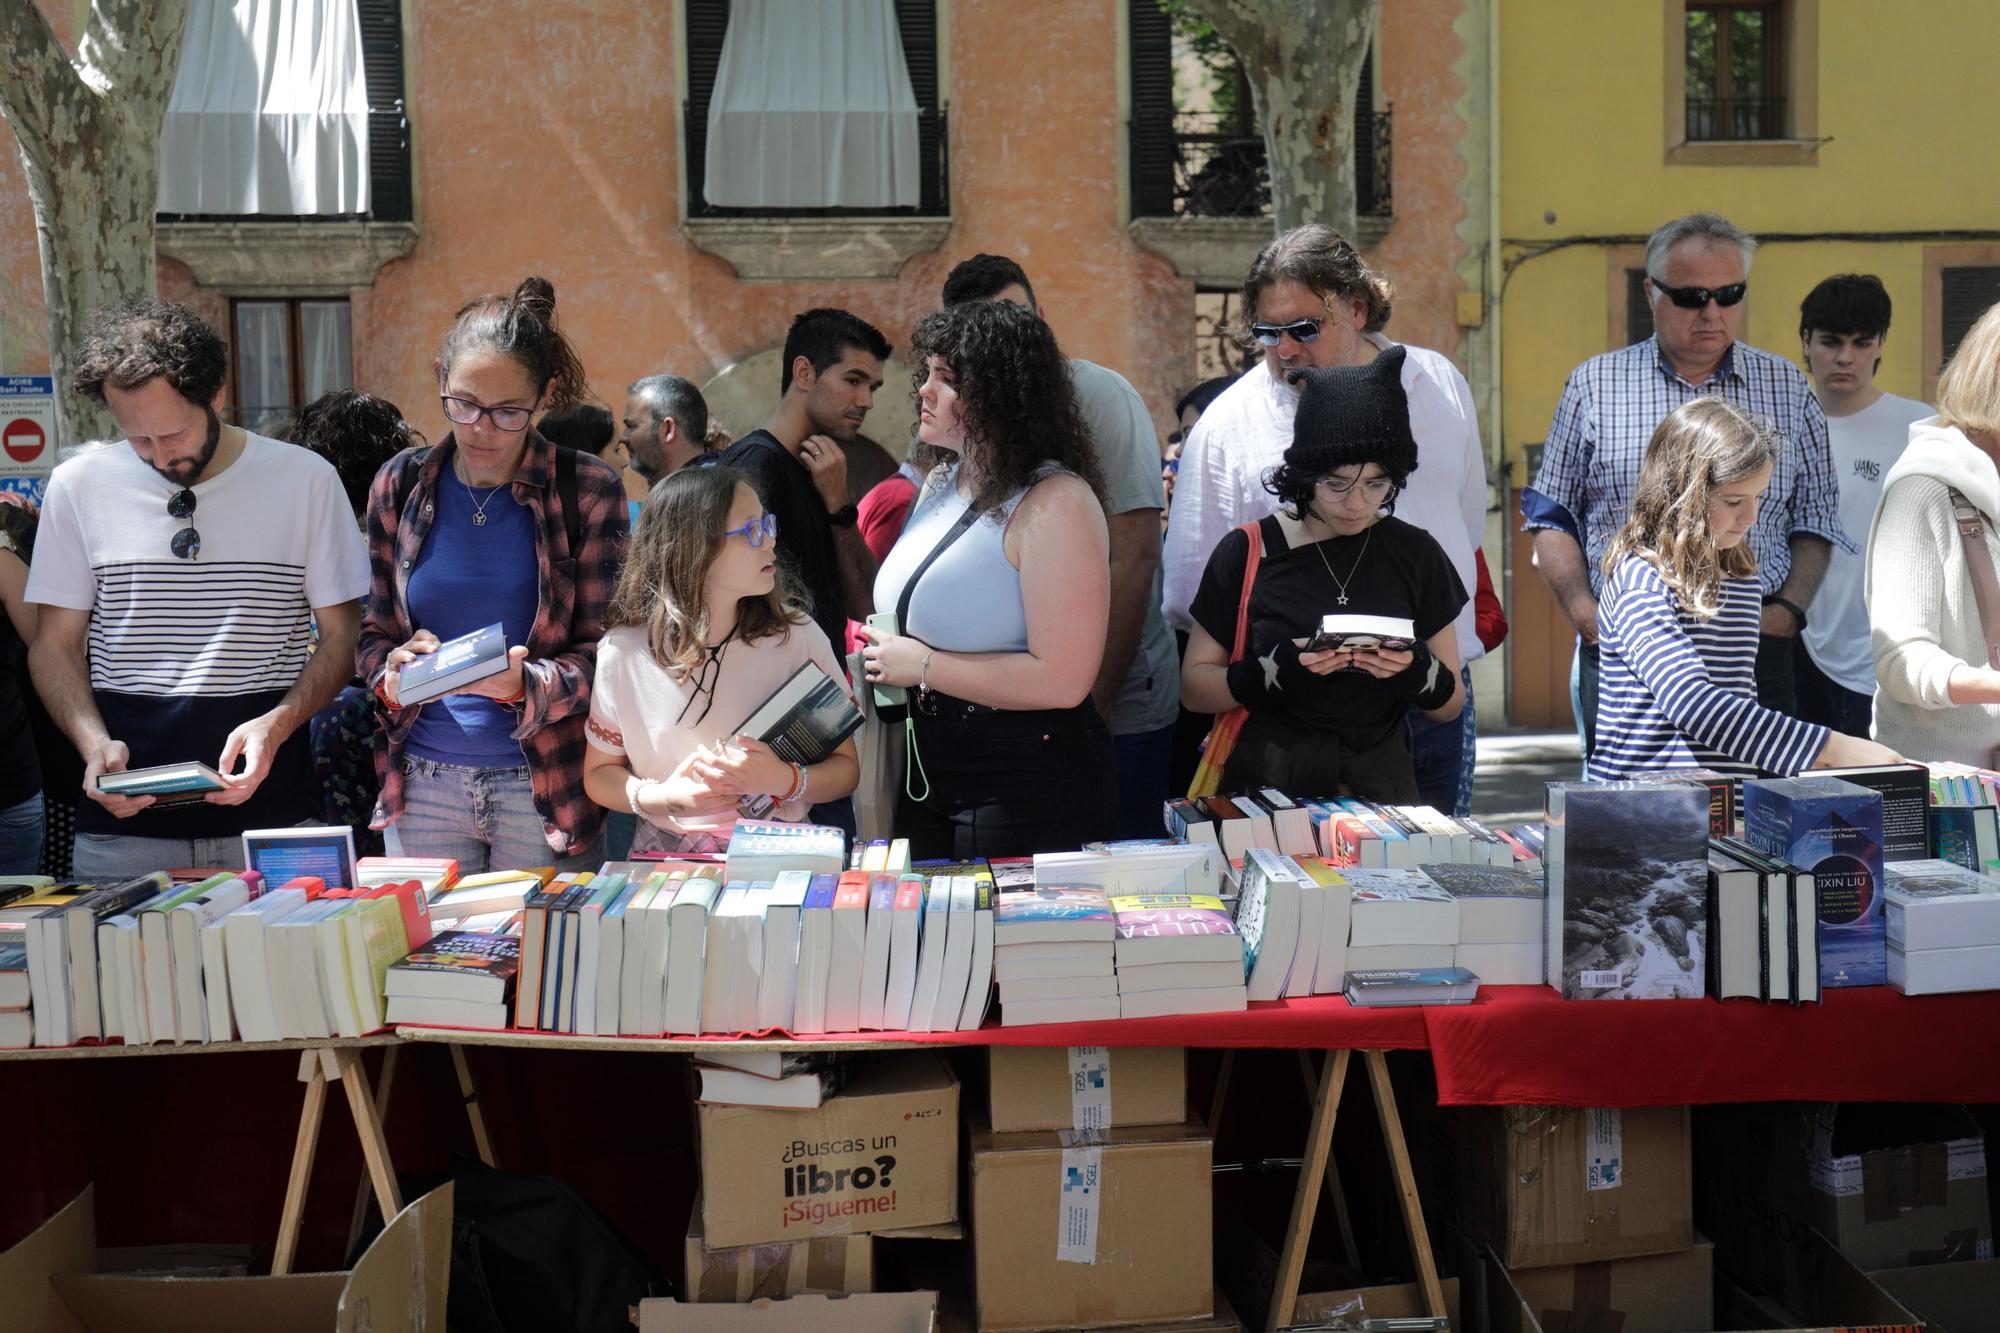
x=958, y=529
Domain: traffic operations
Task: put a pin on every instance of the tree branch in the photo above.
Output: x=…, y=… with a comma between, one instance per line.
x=40, y=91
x=134, y=46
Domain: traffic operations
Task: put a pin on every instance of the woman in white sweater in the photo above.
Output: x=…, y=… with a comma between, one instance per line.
x=1938, y=695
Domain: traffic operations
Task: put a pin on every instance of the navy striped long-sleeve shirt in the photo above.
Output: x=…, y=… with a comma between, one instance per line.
x=1675, y=691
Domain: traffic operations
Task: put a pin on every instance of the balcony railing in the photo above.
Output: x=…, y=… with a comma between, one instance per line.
x=1221, y=171
x=1725, y=119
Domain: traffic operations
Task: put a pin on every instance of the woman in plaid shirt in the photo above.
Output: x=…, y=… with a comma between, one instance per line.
x=478, y=531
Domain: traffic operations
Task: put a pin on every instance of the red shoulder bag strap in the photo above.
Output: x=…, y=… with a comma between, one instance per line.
x=1254, y=530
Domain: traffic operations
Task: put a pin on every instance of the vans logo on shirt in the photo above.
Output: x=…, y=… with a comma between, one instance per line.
x=1868, y=469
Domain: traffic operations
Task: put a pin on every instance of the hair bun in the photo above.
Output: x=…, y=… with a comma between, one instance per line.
x=538, y=295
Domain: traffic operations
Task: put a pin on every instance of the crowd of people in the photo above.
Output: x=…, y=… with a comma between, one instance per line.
x=1064, y=638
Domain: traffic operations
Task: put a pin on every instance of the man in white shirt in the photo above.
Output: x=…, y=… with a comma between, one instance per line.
x=1843, y=323
x=181, y=575
x=1311, y=302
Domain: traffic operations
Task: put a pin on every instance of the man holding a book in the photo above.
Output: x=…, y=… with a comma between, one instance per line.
x=189, y=566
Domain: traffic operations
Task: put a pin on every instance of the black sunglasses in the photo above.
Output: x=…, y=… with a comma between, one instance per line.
x=1301, y=331
x=1694, y=298
x=187, y=542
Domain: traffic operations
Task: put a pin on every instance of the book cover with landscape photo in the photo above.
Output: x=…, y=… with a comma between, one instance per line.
x=1628, y=889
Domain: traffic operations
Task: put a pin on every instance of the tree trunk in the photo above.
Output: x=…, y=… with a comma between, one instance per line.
x=1304, y=60
x=90, y=134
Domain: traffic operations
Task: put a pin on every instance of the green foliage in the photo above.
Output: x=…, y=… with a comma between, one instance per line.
x=1221, y=69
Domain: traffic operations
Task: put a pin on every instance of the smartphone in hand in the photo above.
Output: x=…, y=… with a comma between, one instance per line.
x=887, y=696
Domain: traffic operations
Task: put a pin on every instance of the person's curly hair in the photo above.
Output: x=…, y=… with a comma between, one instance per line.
x=356, y=432
x=145, y=338
x=1016, y=399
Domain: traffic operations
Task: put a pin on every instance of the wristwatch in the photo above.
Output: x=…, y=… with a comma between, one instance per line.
x=1798, y=612
x=845, y=517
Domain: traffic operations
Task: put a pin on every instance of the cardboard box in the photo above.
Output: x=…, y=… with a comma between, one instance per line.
x=881, y=1155
x=1889, y=1186
x=1650, y=1293
x=893, y=1312
x=1548, y=1185
x=1116, y=1232
x=1842, y=1300
x=52, y=1284
x=1085, y=1087
x=1950, y=1298
x=829, y=1266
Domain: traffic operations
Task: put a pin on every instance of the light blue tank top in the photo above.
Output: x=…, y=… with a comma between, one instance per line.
x=969, y=600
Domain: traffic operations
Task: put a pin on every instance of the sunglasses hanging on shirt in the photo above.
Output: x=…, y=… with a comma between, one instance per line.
x=186, y=543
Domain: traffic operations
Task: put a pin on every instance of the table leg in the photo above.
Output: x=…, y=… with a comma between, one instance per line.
x=1305, y=1198
x=1399, y=1161
x=470, y=1092
x=368, y=1125
x=1336, y=1197
x=303, y=1151
x=361, y=1187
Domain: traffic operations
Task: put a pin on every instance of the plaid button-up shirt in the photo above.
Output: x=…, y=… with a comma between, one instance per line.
x=1608, y=412
x=574, y=587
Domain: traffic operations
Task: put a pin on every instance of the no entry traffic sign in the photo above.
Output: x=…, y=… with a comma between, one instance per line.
x=24, y=439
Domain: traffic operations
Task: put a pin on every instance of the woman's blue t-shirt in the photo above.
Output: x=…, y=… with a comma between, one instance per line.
x=466, y=577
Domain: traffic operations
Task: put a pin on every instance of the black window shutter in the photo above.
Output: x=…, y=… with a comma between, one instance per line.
x=1152, y=129
x=1364, y=139
x=388, y=115
x=1966, y=295
x=707, y=24
x=1638, y=313
x=917, y=21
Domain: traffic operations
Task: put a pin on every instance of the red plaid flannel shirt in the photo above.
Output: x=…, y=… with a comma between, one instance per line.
x=575, y=588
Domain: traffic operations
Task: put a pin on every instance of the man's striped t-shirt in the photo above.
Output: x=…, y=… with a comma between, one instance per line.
x=1676, y=691
x=183, y=651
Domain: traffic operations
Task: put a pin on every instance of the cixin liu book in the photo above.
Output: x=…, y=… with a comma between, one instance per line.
x=1833, y=829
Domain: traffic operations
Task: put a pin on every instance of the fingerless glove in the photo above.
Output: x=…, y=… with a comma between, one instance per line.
x=1425, y=682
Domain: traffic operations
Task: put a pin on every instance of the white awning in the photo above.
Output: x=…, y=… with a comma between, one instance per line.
x=812, y=108
x=270, y=111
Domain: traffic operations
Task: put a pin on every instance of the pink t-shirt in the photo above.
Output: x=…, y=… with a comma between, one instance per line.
x=635, y=704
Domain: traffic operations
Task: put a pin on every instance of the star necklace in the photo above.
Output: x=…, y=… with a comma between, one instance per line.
x=1337, y=581
x=478, y=505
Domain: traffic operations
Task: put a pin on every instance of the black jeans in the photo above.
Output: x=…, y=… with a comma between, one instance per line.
x=1824, y=700
x=1006, y=782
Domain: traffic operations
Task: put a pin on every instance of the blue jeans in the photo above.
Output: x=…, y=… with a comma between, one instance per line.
x=108, y=858
x=21, y=837
x=483, y=818
x=1145, y=766
x=1443, y=754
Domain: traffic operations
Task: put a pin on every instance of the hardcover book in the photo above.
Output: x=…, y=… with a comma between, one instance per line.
x=1627, y=889
x=459, y=662
x=1906, y=806
x=1833, y=830
x=167, y=784
x=804, y=721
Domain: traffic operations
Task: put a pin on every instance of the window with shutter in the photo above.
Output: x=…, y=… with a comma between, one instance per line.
x=388, y=112
x=706, y=24
x=1965, y=294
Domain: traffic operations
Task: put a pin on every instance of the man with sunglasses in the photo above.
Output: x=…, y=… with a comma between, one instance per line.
x=1698, y=270
x=180, y=577
x=1310, y=302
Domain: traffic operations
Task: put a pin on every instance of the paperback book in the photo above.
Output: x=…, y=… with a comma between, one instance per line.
x=1406, y=986
x=1627, y=889
x=459, y=662
x=803, y=721
x=167, y=784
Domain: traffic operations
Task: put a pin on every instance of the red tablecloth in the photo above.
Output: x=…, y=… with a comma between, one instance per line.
x=1522, y=1044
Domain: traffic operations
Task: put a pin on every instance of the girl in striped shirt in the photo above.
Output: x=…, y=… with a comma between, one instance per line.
x=1677, y=623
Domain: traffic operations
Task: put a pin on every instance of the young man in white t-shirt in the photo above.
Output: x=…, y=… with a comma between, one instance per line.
x=1843, y=324
x=180, y=575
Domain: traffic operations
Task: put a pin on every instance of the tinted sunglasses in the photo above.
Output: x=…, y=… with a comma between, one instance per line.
x=187, y=542
x=1694, y=298
x=1301, y=331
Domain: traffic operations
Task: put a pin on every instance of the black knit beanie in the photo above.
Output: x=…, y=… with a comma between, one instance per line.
x=1350, y=415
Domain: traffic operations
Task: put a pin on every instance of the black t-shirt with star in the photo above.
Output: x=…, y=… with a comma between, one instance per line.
x=1403, y=572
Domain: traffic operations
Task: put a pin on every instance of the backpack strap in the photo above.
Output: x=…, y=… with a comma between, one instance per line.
x=1985, y=586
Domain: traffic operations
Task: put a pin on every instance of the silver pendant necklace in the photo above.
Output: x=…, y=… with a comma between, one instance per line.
x=1337, y=581
x=478, y=505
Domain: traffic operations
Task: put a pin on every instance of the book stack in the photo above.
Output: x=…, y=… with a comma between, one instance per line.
x=1500, y=935
x=1627, y=889
x=953, y=985
x=780, y=1080
x=1943, y=926
x=1053, y=952
x=759, y=851
x=435, y=873
x=489, y=902
x=462, y=979
x=17, y=1015
x=1177, y=953
x=1402, y=921
x=1397, y=987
